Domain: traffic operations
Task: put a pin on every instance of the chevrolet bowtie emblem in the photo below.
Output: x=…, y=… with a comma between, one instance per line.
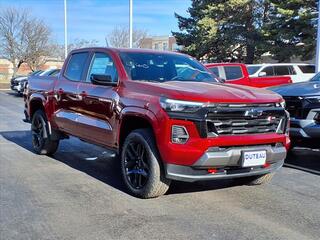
x=253, y=113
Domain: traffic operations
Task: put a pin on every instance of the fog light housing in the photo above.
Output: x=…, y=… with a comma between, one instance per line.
x=179, y=134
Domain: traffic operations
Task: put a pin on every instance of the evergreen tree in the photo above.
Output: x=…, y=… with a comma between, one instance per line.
x=228, y=30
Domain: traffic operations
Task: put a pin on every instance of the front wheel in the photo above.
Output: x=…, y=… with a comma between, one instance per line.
x=141, y=167
x=41, y=139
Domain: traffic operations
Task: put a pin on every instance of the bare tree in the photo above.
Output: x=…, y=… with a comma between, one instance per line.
x=57, y=50
x=119, y=37
x=23, y=38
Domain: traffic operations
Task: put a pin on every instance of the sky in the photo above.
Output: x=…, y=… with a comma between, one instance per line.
x=95, y=19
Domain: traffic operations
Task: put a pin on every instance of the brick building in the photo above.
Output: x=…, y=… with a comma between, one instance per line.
x=165, y=43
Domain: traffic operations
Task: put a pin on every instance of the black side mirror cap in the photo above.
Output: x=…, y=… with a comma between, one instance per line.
x=101, y=79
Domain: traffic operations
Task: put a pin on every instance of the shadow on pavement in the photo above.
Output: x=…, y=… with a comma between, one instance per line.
x=103, y=165
x=304, y=159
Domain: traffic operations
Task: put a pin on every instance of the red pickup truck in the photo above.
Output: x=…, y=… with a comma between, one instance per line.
x=164, y=114
x=237, y=73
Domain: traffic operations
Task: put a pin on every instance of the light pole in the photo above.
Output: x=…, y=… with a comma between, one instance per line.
x=65, y=30
x=318, y=42
x=130, y=23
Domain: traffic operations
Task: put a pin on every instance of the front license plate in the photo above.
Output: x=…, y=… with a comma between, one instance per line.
x=254, y=158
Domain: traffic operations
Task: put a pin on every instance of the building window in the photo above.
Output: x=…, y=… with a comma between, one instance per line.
x=165, y=46
x=156, y=46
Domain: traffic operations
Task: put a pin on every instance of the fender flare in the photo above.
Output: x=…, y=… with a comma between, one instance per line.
x=146, y=114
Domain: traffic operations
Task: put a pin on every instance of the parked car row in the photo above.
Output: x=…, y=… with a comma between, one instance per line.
x=18, y=84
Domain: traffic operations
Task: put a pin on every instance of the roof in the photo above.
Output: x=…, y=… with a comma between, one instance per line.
x=280, y=64
x=118, y=50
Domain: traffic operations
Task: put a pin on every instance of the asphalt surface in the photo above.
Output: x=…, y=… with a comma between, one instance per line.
x=78, y=194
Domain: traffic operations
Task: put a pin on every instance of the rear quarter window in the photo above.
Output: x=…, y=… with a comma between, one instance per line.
x=233, y=72
x=307, y=68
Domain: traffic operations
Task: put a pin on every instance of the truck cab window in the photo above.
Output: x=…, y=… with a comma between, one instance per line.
x=102, y=64
x=233, y=72
x=268, y=71
x=281, y=70
x=75, y=65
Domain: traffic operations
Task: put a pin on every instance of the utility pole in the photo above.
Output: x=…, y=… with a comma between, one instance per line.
x=65, y=30
x=130, y=23
x=318, y=42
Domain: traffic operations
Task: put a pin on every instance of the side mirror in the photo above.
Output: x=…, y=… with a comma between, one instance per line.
x=262, y=74
x=101, y=79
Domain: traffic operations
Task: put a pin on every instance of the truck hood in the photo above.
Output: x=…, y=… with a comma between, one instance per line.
x=209, y=92
x=298, y=89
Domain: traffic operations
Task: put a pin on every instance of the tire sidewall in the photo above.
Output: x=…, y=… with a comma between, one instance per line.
x=40, y=115
x=154, y=167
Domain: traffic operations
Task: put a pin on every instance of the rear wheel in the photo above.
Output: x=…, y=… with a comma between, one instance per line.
x=140, y=165
x=41, y=139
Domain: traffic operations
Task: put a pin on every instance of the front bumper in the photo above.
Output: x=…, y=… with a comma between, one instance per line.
x=305, y=128
x=228, y=163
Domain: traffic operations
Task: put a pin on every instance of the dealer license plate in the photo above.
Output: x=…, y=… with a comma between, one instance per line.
x=254, y=158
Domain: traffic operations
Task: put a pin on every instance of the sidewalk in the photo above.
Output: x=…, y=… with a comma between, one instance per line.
x=4, y=86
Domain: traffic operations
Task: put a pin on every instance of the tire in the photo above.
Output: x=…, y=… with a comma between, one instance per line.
x=41, y=139
x=257, y=180
x=141, y=167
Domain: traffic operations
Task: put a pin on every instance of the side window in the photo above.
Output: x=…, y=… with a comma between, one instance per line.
x=307, y=68
x=291, y=70
x=214, y=70
x=268, y=71
x=281, y=70
x=233, y=72
x=102, y=64
x=75, y=66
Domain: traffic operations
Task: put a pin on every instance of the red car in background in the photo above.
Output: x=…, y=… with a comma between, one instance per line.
x=237, y=73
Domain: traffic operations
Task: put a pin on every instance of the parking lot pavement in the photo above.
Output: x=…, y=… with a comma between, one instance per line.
x=78, y=194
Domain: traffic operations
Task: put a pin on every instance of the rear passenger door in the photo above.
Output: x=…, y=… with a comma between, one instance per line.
x=98, y=105
x=66, y=93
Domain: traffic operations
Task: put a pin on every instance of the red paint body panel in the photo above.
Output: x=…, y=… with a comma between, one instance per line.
x=95, y=113
x=259, y=82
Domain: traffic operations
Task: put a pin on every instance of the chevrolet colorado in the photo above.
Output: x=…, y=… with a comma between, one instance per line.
x=164, y=114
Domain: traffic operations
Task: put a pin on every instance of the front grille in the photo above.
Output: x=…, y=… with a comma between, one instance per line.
x=245, y=119
x=294, y=106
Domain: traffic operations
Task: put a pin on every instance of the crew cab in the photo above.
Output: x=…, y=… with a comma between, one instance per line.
x=164, y=114
x=237, y=73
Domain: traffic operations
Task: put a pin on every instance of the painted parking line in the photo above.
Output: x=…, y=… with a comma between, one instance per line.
x=302, y=168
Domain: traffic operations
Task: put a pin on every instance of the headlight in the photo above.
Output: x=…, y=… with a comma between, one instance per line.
x=172, y=105
x=313, y=99
x=281, y=104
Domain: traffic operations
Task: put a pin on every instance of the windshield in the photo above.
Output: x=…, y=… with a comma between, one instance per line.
x=163, y=67
x=316, y=78
x=253, y=69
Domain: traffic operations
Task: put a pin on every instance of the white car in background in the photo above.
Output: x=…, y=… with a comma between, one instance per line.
x=299, y=72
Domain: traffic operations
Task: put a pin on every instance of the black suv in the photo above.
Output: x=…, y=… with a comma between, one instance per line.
x=303, y=104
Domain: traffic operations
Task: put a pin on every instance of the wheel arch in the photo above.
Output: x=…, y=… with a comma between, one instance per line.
x=134, y=118
x=36, y=102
